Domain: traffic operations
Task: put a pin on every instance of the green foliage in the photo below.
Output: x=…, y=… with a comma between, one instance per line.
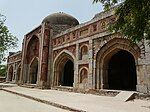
x=108, y=3
x=7, y=40
x=133, y=18
x=3, y=69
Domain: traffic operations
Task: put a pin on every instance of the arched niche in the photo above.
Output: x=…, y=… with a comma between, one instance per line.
x=83, y=74
x=33, y=73
x=32, y=49
x=83, y=51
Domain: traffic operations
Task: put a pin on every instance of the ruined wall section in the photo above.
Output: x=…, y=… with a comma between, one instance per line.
x=13, y=62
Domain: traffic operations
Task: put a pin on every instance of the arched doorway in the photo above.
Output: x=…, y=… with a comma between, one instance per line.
x=10, y=73
x=122, y=71
x=64, y=69
x=18, y=73
x=68, y=74
x=33, y=71
x=116, y=65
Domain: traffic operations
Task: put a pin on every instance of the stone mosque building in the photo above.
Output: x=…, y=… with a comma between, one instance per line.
x=60, y=52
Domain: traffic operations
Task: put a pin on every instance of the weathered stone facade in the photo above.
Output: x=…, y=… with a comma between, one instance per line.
x=14, y=67
x=61, y=52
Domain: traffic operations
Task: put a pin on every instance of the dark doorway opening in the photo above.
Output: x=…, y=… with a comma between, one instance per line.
x=122, y=71
x=68, y=74
x=34, y=71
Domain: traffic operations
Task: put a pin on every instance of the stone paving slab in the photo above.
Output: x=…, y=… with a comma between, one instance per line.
x=14, y=103
x=86, y=102
x=125, y=96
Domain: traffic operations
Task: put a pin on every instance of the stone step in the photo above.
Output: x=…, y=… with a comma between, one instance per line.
x=28, y=85
x=63, y=88
x=99, y=92
x=125, y=96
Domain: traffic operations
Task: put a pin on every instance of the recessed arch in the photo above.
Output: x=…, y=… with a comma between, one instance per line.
x=62, y=53
x=83, y=75
x=32, y=49
x=121, y=71
x=83, y=50
x=33, y=72
x=105, y=54
x=18, y=72
x=64, y=69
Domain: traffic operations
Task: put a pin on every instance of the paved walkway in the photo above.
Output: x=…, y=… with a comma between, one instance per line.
x=86, y=102
x=13, y=103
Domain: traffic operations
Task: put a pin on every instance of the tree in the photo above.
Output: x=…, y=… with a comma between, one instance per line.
x=133, y=18
x=3, y=69
x=7, y=40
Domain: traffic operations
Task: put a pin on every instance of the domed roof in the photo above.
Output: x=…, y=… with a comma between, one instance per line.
x=61, y=19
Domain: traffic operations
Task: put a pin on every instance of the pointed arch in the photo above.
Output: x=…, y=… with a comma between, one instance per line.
x=32, y=48
x=18, y=72
x=106, y=52
x=83, y=51
x=83, y=75
x=64, y=52
x=64, y=60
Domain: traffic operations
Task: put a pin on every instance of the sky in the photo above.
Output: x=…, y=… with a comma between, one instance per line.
x=24, y=15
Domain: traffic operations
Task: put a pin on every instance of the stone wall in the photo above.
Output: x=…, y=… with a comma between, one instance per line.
x=89, y=46
x=13, y=65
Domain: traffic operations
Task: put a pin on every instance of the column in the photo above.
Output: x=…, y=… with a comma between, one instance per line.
x=90, y=75
x=76, y=67
x=44, y=55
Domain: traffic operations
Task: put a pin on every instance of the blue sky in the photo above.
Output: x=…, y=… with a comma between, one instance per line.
x=24, y=15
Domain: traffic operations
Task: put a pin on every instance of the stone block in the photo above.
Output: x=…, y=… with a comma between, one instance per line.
x=148, y=69
x=142, y=88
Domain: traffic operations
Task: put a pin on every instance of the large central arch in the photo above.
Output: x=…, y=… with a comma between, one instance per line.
x=64, y=69
x=121, y=71
x=116, y=65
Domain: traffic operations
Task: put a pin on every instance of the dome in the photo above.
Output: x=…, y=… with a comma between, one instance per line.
x=61, y=19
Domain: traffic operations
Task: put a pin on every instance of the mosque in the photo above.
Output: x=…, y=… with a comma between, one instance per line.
x=60, y=52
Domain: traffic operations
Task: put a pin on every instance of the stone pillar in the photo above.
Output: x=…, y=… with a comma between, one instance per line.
x=15, y=74
x=141, y=77
x=50, y=62
x=90, y=74
x=44, y=55
x=23, y=72
x=94, y=75
x=7, y=76
x=143, y=70
x=76, y=67
x=147, y=55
